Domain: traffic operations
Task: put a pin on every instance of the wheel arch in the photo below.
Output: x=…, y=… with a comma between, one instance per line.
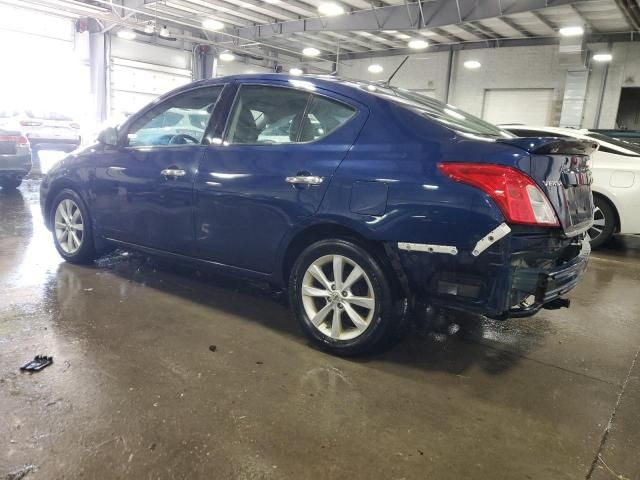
x=56, y=187
x=613, y=206
x=330, y=230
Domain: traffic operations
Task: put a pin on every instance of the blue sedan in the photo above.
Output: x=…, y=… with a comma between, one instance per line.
x=361, y=199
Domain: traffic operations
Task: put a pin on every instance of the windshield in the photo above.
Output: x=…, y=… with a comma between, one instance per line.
x=614, y=141
x=443, y=113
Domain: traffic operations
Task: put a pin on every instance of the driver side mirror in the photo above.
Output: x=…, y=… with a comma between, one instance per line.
x=108, y=137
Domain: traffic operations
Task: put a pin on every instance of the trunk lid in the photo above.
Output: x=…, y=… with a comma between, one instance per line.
x=560, y=167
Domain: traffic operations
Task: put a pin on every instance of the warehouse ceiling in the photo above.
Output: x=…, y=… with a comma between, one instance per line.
x=275, y=29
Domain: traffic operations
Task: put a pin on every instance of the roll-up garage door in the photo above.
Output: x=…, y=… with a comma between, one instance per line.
x=527, y=106
x=139, y=75
x=42, y=71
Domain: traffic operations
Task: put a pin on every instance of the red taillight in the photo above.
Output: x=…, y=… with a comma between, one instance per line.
x=30, y=123
x=516, y=194
x=18, y=139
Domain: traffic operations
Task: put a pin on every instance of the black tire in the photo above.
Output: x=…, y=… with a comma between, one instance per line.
x=86, y=253
x=599, y=235
x=384, y=322
x=10, y=183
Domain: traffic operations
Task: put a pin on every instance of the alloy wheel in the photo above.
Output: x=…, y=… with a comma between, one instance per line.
x=69, y=226
x=338, y=297
x=599, y=223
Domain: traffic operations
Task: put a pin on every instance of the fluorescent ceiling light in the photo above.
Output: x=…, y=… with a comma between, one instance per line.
x=418, y=44
x=473, y=64
x=211, y=24
x=311, y=52
x=571, y=31
x=295, y=71
x=330, y=9
x=272, y=1
x=375, y=68
x=603, y=57
x=227, y=56
x=127, y=34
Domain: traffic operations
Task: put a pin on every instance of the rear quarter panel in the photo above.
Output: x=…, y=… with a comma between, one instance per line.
x=617, y=178
x=401, y=150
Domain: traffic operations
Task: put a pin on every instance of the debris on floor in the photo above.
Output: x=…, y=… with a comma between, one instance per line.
x=213, y=348
x=21, y=472
x=38, y=363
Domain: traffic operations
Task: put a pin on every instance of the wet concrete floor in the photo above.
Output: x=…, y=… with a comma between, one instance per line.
x=136, y=392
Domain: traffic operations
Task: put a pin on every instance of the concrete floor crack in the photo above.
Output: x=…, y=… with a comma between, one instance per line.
x=597, y=458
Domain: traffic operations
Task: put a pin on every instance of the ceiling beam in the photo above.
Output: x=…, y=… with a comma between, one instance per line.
x=409, y=16
x=518, y=28
x=498, y=43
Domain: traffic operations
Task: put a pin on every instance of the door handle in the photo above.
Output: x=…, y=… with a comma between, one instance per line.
x=173, y=172
x=304, y=180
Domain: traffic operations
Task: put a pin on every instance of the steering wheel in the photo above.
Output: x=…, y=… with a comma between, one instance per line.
x=182, y=139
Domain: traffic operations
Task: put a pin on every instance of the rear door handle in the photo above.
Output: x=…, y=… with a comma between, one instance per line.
x=304, y=180
x=173, y=172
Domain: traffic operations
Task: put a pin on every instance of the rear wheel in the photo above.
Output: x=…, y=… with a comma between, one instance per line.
x=342, y=298
x=71, y=227
x=10, y=183
x=604, y=222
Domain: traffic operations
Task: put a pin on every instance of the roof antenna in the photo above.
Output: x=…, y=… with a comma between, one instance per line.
x=386, y=84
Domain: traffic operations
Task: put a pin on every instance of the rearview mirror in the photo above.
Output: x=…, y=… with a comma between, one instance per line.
x=109, y=137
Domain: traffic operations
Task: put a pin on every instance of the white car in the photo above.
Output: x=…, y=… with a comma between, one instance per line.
x=616, y=180
x=43, y=127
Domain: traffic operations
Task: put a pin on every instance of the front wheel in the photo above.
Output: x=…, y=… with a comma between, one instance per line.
x=342, y=297
x=604, y=222
x=71, y=227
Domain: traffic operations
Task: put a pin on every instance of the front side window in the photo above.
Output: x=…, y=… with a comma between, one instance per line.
x=266, y=115
x=180, y=120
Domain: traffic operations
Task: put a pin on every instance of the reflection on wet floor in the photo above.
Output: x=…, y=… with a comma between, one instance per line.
x=135, y=388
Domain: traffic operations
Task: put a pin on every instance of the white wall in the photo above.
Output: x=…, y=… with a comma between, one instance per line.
x=509, y=67
x=515, y=67
x=423, y=71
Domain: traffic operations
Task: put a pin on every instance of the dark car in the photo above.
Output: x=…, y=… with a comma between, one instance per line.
x=375, y=199
x=15, y=158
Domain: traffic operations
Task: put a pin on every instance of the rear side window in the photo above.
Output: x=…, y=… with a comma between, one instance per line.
x=323, y=117
x=267, y=115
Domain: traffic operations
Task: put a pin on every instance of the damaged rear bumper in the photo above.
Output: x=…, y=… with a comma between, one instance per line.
x=545, y=286
x=517, y=276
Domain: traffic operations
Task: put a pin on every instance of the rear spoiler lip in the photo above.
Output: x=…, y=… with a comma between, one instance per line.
x=552, y=145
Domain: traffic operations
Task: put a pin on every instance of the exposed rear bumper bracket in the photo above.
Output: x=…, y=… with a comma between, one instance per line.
x=490, y=238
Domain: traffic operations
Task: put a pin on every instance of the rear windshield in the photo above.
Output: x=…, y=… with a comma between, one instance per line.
x=614, y=141
x=443, y=113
